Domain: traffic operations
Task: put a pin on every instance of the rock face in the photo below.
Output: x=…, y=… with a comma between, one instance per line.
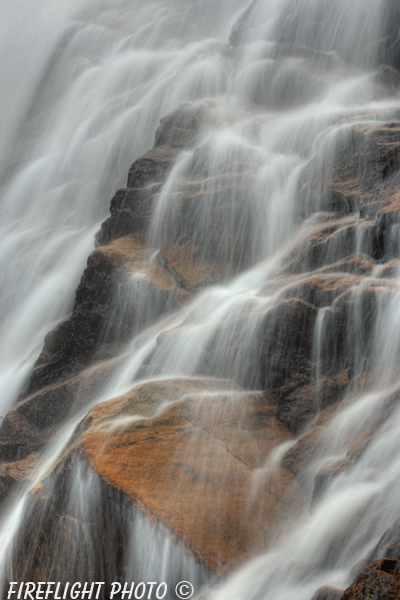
x=131, y=207
x=363, y=176
x=171, y=464
x=379, y=581
x=181, y=454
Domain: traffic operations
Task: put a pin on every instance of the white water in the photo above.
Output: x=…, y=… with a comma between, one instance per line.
x=83, y=90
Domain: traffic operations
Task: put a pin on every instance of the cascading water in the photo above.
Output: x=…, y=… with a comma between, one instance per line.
x=295, y=289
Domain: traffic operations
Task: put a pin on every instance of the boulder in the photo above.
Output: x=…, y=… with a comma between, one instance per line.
x=284, y=84
x=379, y=581
x=355, y=442
x=183, y=452
x=172, y=466
x=131, y=207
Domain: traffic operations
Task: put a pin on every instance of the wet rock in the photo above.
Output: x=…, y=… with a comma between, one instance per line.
x=299, y=457
x=71, y=346
x=200, y=211
x=392, y=55
x=12, y=474
x=189, y=269
x=131, y=207
x=329, y=470
x=328, y=593
x=130, y=214
x=379, y=581
x=342, y=332
x=387, y=547
x=288, y=341
x=235, y=437
x=187, y=468
x=293, y=51
x=152, y=167
x=108, y=309
x=180, y=127
x=330, y=241
x=391, y=269
x=299, y=407
x=387, y=232
x=276, y=361
x=319, y=289
x=388, y=80
x=35, y=419
x=362, y=173
x=390, y=49
x=356, y=442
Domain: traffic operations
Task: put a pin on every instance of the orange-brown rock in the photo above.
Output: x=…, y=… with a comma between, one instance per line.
x=186, y=265
x=379, y=581
x=191, y=466
x=371, y=188
x=319, y=289
x=16, y=472
x=329, y=240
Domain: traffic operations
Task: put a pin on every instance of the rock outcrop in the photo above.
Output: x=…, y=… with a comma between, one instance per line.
x=184, y=452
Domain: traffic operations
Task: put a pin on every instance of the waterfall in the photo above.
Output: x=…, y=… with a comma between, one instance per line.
x=212, y=395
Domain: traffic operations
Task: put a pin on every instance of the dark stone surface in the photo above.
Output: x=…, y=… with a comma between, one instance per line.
x=152, y=167
x=379, y=581
x=131, y=207
x=94, y=325
x=299, y=407
x=130, y=214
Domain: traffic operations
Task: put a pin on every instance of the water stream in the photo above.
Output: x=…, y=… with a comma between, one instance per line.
x=83, y=89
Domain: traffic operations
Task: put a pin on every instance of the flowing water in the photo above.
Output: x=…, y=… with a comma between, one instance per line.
x=83, y=89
